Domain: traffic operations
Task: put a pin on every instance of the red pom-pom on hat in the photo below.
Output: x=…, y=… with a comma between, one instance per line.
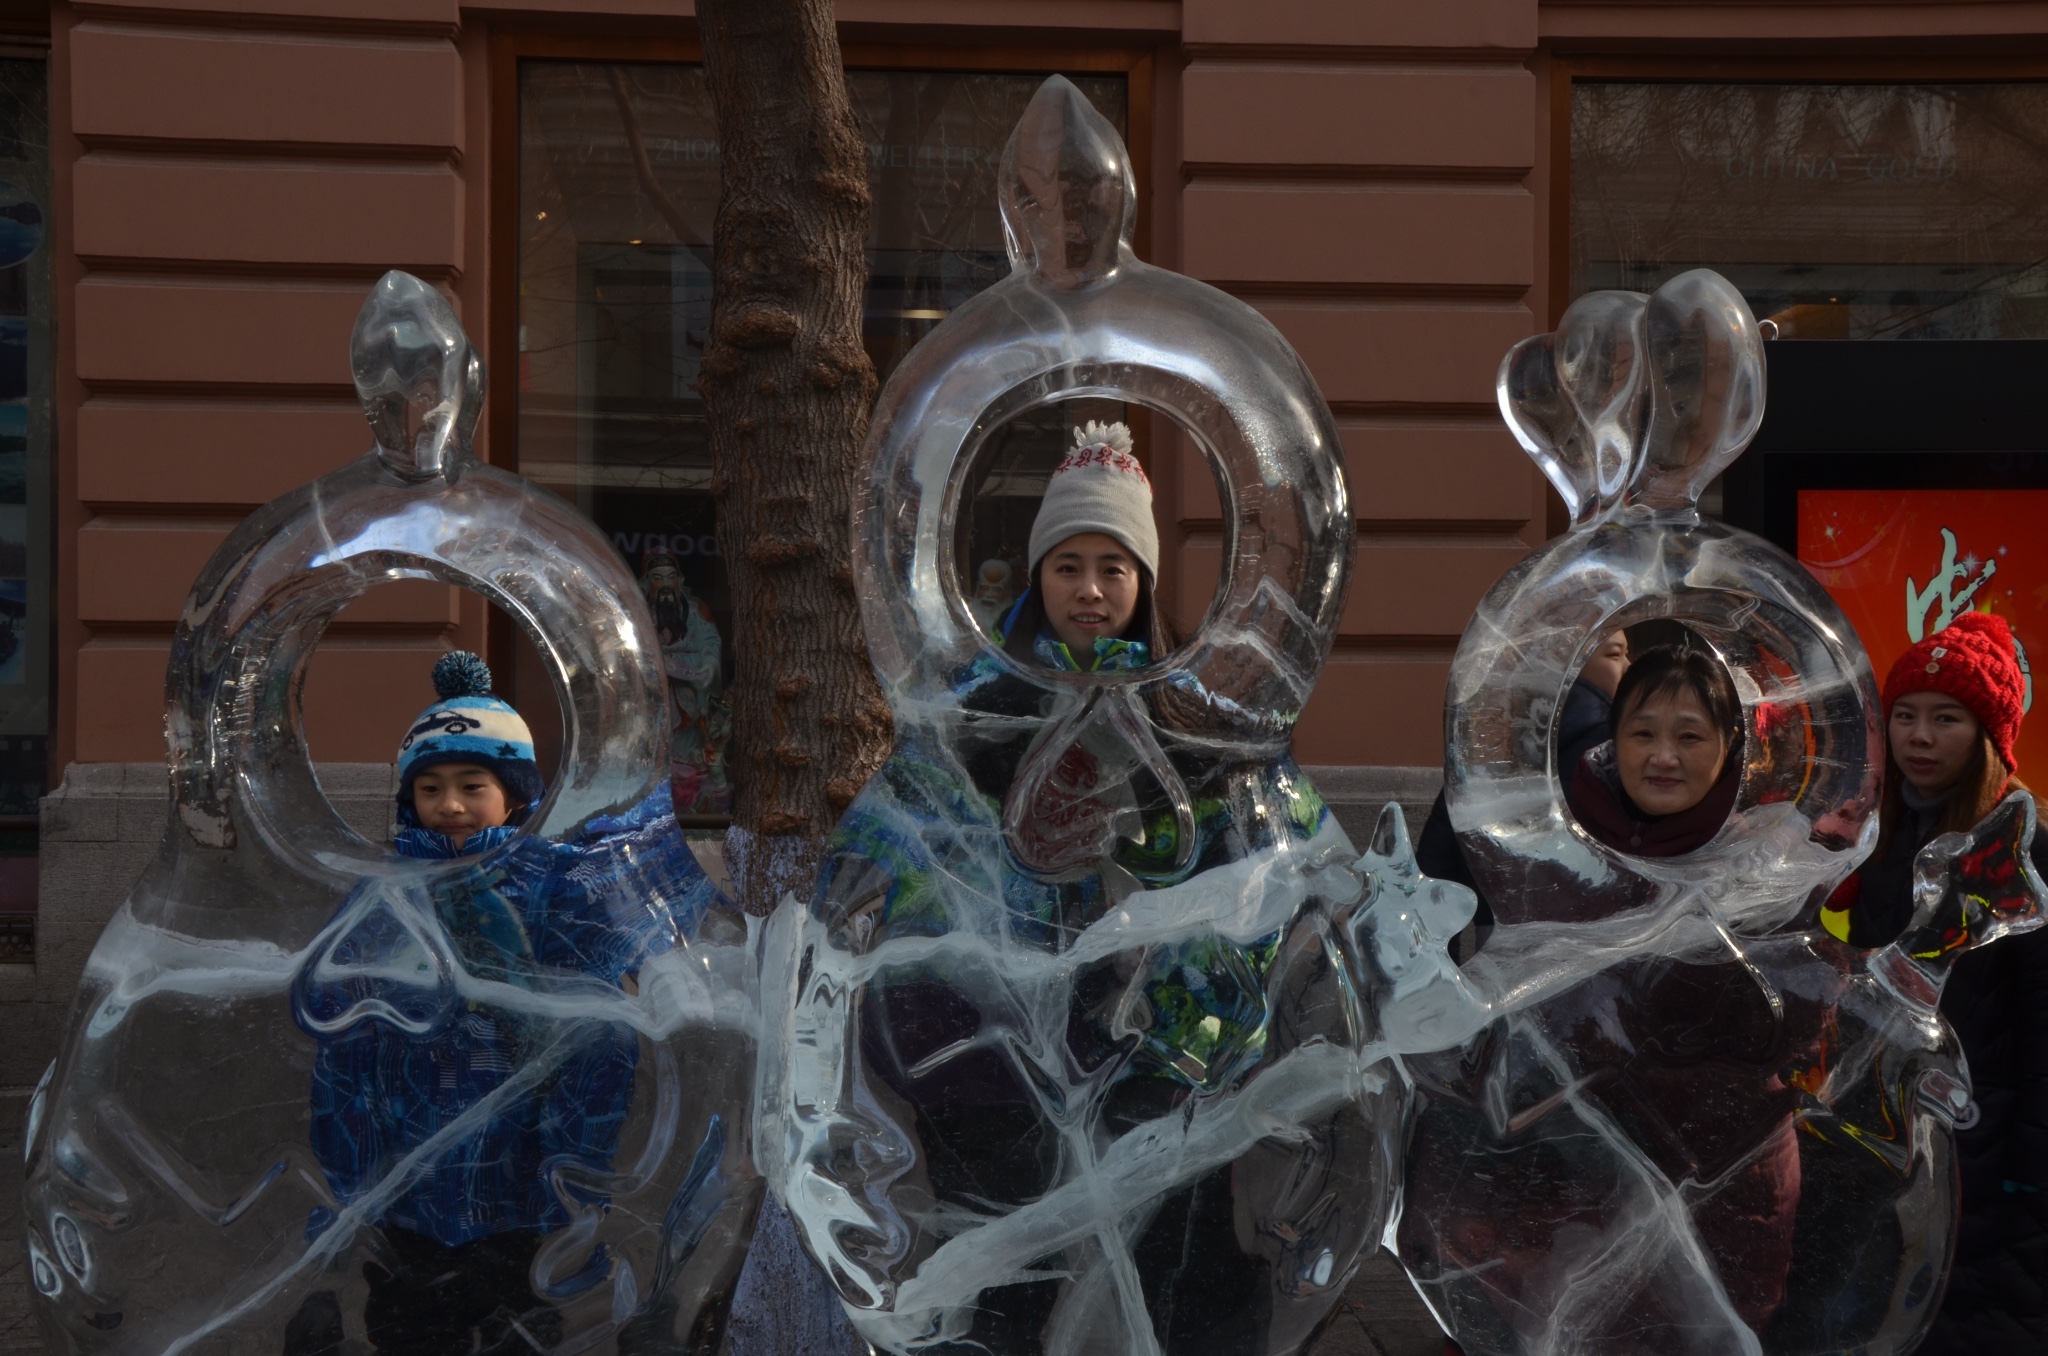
x=1975, y=660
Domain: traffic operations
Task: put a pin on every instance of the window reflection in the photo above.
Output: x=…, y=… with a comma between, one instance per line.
x=25, y=491
x=1841, y=211
x=618, y=186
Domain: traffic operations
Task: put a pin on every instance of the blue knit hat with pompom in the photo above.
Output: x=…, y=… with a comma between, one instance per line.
x=469, y=725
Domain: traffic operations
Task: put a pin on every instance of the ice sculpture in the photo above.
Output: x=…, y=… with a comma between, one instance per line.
x=587, y=973
x=1074, y=1052
x=1692, y=1122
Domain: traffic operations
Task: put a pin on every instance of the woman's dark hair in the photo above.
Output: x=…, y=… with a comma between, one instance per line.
x=1687, y=668
x=1985, y=782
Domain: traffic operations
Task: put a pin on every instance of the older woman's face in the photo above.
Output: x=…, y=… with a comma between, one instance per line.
x=1669, y=752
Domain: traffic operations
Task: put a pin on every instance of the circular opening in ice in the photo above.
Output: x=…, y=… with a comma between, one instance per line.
x=283, y=797
x=999, y=482
x=1802, y=719
x=360, y=701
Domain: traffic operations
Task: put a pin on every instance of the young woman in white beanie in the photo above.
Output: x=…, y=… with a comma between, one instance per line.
x=1158, y=1027
x=1094, y=561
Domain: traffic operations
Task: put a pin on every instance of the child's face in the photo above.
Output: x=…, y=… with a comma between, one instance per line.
x=459, y=799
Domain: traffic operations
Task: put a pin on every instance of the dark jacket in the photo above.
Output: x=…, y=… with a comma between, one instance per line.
x=1684, y=1058
x=1708, y=1072
x=399, y=1061
x=1996, y=1001
x=1582, y=726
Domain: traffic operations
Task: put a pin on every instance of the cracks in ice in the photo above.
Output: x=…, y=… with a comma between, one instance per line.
x=368, y=1207
x=1143, y=1165
x=1099, y=1203
x=680, y=988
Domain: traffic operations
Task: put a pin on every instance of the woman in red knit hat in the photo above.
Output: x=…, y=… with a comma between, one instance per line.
x=1952, y=714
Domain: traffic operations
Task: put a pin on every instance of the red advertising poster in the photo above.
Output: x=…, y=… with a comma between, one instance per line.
x=1901, y=563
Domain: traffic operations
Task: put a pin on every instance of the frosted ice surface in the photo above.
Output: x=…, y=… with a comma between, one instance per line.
x=202, y=1172
x=1683, y=1122
x=1078, y=1047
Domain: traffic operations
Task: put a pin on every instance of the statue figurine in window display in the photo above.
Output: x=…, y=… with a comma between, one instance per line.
x=1693, y=1120
x=1074, y=1049
x=693, y=657
x=485, y=1094
x=994, y=591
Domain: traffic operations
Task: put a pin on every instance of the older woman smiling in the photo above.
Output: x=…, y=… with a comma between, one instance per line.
x=1666, y=784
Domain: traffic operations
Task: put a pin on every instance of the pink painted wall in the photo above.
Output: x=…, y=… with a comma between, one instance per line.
x=1375, y=177
x=227, y=186
x=1359, y=173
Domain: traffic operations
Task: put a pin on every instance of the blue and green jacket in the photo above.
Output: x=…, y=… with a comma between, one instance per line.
x=924, y=827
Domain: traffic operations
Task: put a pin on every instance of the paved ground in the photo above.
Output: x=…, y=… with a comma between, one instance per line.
x=1380, y=1315
x=18, y=1331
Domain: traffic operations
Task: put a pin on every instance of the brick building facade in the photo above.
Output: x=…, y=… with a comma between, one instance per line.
x=1388, y=182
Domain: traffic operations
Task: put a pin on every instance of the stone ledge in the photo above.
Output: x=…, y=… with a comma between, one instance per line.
x=1356, y=795
x=100, y=828
x=1383, y=784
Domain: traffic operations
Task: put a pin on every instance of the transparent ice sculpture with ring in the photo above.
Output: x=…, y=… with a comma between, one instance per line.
x=590, y=1171
x=1692, y=1121
x=1074, y=1042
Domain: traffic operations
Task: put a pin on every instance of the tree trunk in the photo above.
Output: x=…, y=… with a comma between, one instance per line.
x=787, y=387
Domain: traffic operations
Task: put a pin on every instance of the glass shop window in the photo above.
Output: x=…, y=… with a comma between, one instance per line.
x=25, y=473
x=618, y=184
x=1840, y=211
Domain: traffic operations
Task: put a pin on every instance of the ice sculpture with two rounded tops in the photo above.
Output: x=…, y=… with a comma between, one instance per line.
x=1693, y=1121
x=526, y=1071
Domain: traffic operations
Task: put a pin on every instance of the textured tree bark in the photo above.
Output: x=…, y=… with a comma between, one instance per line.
x=787, y=387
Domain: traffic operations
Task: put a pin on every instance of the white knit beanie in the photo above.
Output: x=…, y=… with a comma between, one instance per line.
x=1100, y=487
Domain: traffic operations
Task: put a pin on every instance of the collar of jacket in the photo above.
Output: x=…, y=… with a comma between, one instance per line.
x=431, y=846
x=1604, y=810
x=1110, y=656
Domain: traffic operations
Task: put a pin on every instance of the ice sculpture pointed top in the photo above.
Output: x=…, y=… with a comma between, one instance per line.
x=420, y=380
x=1638, y=400
x=1069, y=199
x=1100, y=1104
x=236, y=1130
x=1081, y=316
x=264, y=600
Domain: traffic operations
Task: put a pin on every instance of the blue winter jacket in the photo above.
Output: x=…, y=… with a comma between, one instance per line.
x=396, y=1066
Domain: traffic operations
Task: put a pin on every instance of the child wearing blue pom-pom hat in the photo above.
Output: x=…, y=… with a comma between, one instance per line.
x=466, y=766
x=447, y=1124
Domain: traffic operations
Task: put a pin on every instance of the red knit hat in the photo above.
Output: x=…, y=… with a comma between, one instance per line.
x=1975, y=660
